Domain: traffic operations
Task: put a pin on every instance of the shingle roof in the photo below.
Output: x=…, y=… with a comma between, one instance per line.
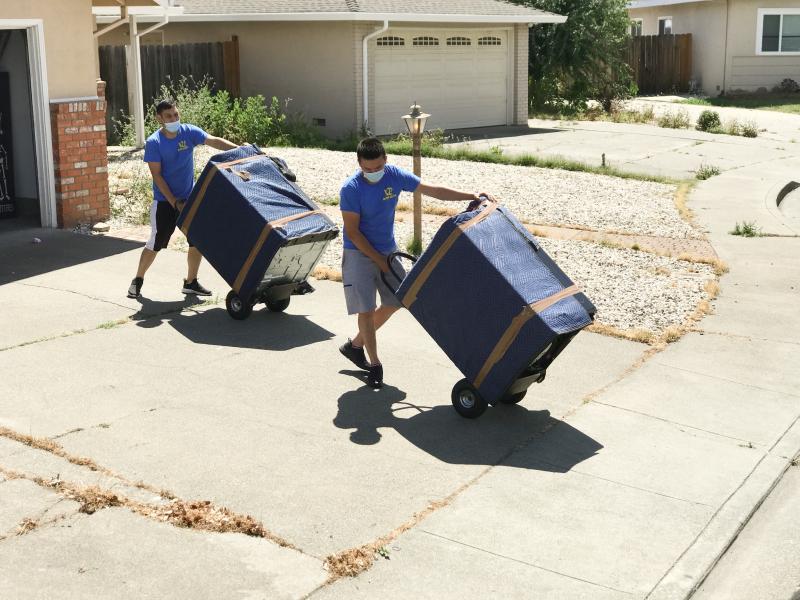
x=422, y=7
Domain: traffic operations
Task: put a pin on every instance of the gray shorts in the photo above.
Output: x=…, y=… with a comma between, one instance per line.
x=362, y=279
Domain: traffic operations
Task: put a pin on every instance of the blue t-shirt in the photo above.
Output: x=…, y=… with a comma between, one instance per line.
x=376, y=203
x=176, y=156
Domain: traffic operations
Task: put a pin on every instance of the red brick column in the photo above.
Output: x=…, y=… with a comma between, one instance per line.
x=81, y=159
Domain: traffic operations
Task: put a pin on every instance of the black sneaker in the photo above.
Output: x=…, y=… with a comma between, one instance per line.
x=354, y=355
x=136, y=287
x=194, y=287
x=375, y=376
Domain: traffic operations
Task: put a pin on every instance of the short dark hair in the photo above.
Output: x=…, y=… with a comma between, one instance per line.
x=165, y=105
x=370, y=149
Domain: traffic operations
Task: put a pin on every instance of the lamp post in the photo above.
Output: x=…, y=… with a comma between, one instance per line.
x=415, y=121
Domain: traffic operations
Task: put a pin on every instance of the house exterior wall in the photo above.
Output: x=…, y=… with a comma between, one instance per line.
x=310, y=62
x=330, y=85
x=69, y=44
x=748, y=71
x=724, y=43
x=706, y=22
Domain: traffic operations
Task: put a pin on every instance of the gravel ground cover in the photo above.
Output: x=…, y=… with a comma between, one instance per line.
x=631, y=289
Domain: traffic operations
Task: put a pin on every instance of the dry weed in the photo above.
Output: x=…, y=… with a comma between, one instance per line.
x=26, y=526
x=322, y=273
x=635, y=335
x=681, y=203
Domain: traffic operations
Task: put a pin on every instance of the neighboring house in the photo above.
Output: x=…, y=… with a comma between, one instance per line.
x=346, y=63
x=54, y=116
x=738, y=45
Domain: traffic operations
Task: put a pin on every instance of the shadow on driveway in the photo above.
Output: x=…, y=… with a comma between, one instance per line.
x=263, y=330
x=438, y=430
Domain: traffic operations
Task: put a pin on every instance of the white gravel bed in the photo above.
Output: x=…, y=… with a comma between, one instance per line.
x=536, y=195
x=631, y=289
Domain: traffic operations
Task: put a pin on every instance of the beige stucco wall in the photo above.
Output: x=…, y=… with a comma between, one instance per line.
x=748, y=71
x=706, y=22
x=318, y=65
x=69, y=44
x=311, y=63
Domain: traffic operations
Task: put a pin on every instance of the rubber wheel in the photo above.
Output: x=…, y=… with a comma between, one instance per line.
x=278, y=305
x=513, y=398
x=467, y=401
x=237, y=308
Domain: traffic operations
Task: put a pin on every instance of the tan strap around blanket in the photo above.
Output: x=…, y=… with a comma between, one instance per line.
x=528, y=312
x=411, y=295
x=262, y=238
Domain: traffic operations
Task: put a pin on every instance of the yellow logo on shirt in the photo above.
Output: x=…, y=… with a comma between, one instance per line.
x=182, y=145
x=388, y=194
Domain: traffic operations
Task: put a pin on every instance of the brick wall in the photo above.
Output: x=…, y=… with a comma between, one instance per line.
x=81, y=159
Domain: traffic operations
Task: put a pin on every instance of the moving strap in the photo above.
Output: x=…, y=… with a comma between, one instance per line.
x=216, y=168
x=413, y=290
x=262, y=238
x=528, y=312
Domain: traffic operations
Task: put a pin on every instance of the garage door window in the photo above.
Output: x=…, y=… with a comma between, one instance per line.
x=489, y=40
x=391, y=40
x=426, y=40
x=459, y=41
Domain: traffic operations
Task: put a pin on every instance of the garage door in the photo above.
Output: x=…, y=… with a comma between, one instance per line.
x=460, y=77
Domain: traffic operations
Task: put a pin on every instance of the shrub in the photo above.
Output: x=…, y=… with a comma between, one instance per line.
x=674, y=120
x=706, y=171
x=789, y=86
x=732, y=127
x=709, y=121
x=749, y=129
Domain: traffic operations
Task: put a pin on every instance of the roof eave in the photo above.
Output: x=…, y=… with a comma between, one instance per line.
x=357, y=16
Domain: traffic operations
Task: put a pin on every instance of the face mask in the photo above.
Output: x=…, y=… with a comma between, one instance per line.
x=173, y=127
x=374, y=177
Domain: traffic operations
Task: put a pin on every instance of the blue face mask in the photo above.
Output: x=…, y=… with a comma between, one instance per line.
x=173, y=127
x=374, y=177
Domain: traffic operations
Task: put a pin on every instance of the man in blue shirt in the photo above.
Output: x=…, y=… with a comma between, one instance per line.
x=169, y=153
x=368, y=201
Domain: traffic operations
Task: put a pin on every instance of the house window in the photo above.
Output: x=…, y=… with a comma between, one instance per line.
x=636, y=27
x=426, y=40
x=778, y=31
x=459, y=41
x=391, y=40
x=664, y=25
x=489, y=40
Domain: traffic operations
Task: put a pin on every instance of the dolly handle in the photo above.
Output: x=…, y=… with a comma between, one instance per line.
x=389, y=260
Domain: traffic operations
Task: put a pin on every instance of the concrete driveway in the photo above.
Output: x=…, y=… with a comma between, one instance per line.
x=161, y=449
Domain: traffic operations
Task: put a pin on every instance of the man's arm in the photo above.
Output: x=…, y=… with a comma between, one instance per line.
x=219, y=143
x=161, y=183
x=443, y=193
x=352, y=221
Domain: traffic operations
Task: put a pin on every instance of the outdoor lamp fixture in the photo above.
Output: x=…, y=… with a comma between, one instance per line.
x=415, y=121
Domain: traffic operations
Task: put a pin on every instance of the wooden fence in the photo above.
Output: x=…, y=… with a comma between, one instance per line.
x=661, y=63
x=218, y=62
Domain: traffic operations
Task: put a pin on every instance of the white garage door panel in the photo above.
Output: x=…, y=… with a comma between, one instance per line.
x=461, y=86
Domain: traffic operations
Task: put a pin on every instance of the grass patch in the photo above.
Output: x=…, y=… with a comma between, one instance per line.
x=788, y=103
x=414, y=246
x=706, y=172
x=746, y=229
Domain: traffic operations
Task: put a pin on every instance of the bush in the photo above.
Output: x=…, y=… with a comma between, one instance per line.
x=706, y=172
x=240, y=120
x=749, y=129
x=732, y=127
x=709, y=121
x=789, y=86
x=674, y=120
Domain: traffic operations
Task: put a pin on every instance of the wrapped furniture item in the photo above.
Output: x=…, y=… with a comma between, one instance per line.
x=250, y=220
x=496, y=303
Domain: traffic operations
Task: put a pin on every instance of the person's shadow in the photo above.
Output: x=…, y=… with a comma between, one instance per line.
x=261, y=330
x=442, y=433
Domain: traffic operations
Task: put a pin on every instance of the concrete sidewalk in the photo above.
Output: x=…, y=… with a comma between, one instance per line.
x=626, y=474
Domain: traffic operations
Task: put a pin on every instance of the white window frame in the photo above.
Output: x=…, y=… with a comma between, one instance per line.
x=40, y=101
x=762, y=12
x=671, y=25
x=640, y=22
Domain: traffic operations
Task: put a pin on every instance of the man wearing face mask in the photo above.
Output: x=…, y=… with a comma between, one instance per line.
x=368, y=200
x=169, y=153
